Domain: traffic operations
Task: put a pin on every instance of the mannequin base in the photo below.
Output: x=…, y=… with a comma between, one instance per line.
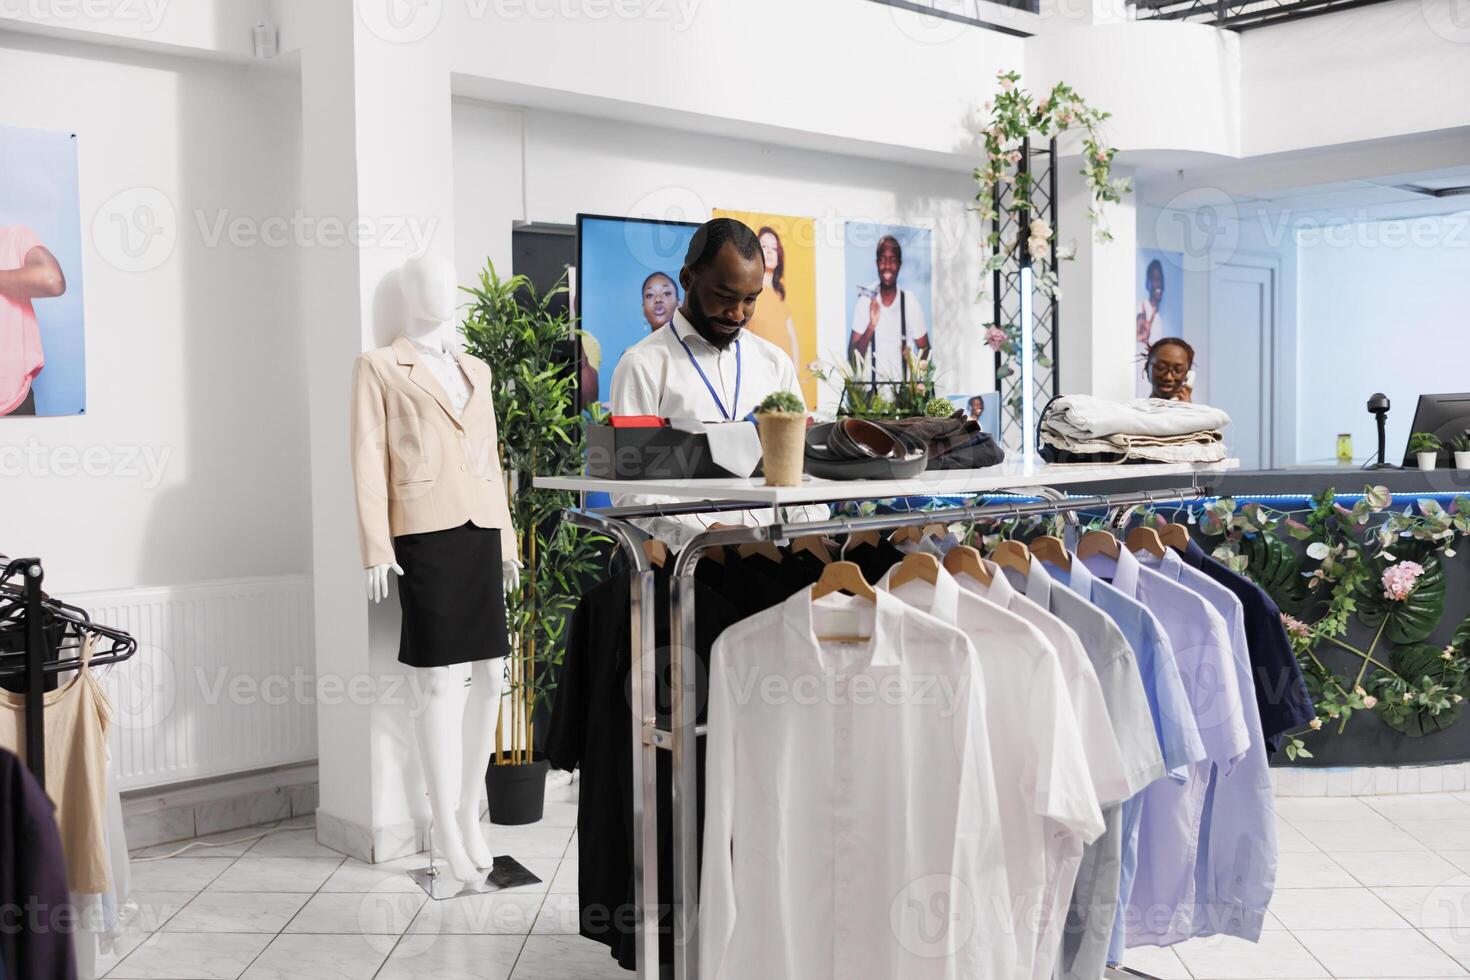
x=440, y=885
x=1123, y=973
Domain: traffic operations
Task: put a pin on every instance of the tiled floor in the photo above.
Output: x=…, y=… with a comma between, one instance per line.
x=1374, y=886
x=286, y=907
x=1369, y=887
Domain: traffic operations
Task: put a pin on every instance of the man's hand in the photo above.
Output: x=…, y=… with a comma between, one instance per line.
x=874, y=311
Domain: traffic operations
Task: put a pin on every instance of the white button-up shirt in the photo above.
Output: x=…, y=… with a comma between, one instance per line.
x=443, y=363
x=1048, y=808
x=656, y=377
x=851, y=812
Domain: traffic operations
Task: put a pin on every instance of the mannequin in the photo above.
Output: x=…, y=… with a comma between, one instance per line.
x=458, y=696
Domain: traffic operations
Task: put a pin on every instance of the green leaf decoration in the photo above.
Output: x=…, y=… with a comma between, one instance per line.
x=1462, y=635
x=1413, y=619
x=1276, y=568
x=1424, y=664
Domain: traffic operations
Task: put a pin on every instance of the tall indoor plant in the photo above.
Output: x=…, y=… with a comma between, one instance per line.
x=527, y=344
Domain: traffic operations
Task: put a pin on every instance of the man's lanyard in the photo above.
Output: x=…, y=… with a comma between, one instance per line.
x=727, y=416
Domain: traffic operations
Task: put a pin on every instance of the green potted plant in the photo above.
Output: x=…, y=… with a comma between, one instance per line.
x=515, y=330
x=1426, y=446
x=782, y=422
x=1461, y=446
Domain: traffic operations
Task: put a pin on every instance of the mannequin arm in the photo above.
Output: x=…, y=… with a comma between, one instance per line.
x=377, y=580
x=510, y=574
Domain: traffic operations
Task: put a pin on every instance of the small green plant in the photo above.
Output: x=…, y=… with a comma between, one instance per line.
x=939, y=408
x=1461, y=442
x=1424, y=442
x=782, y=401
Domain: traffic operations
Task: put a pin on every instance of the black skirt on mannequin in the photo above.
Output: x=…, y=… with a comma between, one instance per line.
x=452, y=597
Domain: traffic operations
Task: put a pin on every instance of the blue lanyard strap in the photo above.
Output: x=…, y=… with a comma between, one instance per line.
x=727, y=416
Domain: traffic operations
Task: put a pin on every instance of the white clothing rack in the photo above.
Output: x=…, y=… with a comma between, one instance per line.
x=704, y=496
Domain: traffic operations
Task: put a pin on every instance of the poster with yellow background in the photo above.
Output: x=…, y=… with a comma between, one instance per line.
x=786, y=313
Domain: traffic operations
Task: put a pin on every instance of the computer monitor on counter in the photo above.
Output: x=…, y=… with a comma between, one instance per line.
x=1445, y=416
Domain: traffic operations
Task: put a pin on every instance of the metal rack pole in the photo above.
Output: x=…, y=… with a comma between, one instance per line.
x=681, y=737
x=35, y=672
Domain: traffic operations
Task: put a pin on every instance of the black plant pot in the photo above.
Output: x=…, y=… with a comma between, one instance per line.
x=517, y=794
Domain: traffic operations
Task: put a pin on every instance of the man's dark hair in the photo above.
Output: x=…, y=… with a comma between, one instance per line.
x=892, y=242
x=713, y=235
x=660, y=275
x=1149, y=272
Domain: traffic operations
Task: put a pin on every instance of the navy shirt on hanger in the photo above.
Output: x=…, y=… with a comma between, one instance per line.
x=1281, y=691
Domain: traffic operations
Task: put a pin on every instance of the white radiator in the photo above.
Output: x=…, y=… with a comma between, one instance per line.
x=221, y=683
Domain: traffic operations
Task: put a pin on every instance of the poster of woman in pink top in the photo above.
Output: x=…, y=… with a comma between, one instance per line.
x=41, y=337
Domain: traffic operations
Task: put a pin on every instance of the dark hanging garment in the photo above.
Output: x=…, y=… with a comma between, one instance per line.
x=1281, y=691
x=36, y=941
x=591, y=730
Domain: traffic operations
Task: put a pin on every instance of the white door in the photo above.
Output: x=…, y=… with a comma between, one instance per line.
x=1240, y=363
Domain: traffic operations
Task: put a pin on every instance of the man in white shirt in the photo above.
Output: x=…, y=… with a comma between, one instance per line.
x=888, y=321
x=706, y=365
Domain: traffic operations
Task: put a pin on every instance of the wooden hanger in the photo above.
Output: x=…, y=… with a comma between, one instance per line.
x=657, y=552
x=919, y=565
x=863, y=537
x=815, y=544
x=1145, y=539
x=1097, y=543
x=1012, y=554
x=965, y=560
x=844, y=576
x=909, y=533
x=1049, y=548
x=1174, y=535
x=765, y=548
x=935, y=531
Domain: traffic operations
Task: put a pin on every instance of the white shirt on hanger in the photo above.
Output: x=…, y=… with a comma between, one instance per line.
x=850, y=805
x=1048, y=808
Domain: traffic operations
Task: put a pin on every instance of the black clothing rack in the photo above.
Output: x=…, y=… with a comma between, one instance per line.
x=38, y=658
x=680, y=736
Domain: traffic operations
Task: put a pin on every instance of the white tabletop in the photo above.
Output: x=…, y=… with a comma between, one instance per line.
x=1010, y=475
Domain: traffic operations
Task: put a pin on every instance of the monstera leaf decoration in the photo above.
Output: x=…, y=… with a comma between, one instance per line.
x=1276, y=568
x=1411, y=620
x=1417, y=663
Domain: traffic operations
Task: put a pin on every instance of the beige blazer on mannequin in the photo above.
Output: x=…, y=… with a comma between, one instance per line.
x=417, y=467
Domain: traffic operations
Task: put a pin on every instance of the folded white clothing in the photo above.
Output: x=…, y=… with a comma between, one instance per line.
x=1087, y=417
x=1202, y=448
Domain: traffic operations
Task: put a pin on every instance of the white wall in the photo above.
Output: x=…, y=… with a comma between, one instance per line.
x=1381, y=307
x=577, y=163
x=194, y=363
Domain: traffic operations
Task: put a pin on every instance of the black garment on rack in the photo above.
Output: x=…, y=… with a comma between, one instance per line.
x=875, y=559
x=591, y=730
x=1281, y=691
x=36, y=934
x=13, y=648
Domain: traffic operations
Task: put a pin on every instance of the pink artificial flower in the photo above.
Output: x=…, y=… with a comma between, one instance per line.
x=1369, y=701
x=995, y=337
x=1399, y=580
x=1295, y=626
x=1315, y=724
x=1007, y=84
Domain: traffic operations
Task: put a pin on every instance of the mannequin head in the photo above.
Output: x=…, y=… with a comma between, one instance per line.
x=430, y=294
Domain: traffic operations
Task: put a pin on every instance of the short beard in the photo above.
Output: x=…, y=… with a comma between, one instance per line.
x=700, y=322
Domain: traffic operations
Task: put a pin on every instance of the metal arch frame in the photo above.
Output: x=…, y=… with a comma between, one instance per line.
x=680, y=739
x=1241, y=15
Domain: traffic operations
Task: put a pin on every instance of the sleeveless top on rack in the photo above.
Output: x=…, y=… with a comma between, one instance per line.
x=77, y=718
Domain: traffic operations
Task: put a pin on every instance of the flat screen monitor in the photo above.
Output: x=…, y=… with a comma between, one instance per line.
x=1445, y=416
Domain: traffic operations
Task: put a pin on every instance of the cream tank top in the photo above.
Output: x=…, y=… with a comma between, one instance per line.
x=77, y=717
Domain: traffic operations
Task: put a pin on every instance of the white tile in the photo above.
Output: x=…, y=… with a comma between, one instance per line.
x=1303, y=869
x=1454, y=778
x=1358, y=835
x=496, y=913
x=560, y=916
x=566, y=958
x=1460, y=859
x=154, y=909
x=321, y=958
x=355, y=876
x=247, y=810
x=1419, y=806
x=1333, y=908
x=252, y=874
x=266, y=912
x=1286, y=781
x=1307, y=811
x=122, y=947
x=1439, y=835
x=1455, y=942
x=1431, y=779
x=1409, y=779
x=559, y=814
x=566, y=878
x=1313, y=783
x=159, y=826
x=453, y=957
x=190, y=956
x=291, y=843
x=231, y=844
x=1378, y=953
x=1162, y=964
x=1278, y=954
x=180, y=874
x=1375, y=868
x=534, y=841
x=1385, y=780
x=1288, y=838
x=1339, y=782
x=1443, y=906
x=1364, y=780
x=385, y=913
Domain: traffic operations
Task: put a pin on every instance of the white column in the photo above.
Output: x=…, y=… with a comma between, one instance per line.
x=377, y=189
x=1097, y=346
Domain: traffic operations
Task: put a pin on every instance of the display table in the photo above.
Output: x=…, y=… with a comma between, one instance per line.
x=1053, y=483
